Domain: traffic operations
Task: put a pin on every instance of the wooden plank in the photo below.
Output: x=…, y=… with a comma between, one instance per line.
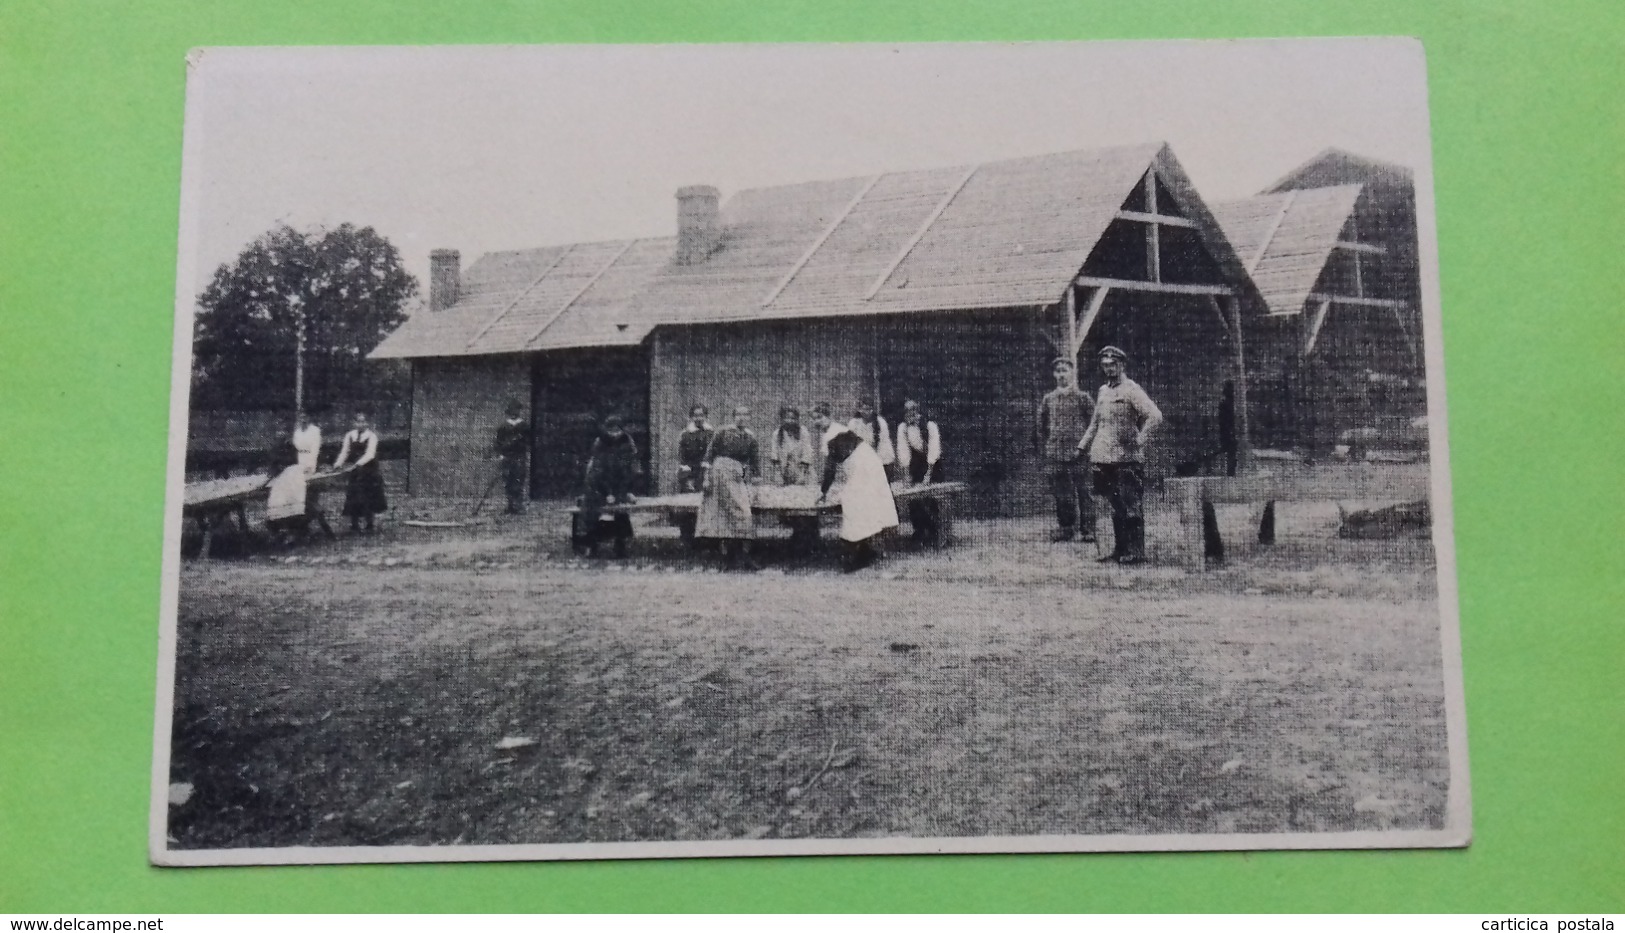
x=1069, y=304
x=808, y=255
x=521, y=296
x=1213, y=301
x=919, y=234
x=1405, y=330
x=1269, y=236
x=1171, y=288
x=548, y=322
x=1153, y=246
x=777, y=500
x=1351, y=245
x=1165, y=220
x=1350, y=483
x=1355, y=300
x=1315, y=323
x=1244, y=446
x=1359, y=272
x=1097, y=300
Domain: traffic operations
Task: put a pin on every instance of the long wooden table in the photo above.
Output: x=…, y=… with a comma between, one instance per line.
x=211, y=502
x=775, y=502
x=1355, y=482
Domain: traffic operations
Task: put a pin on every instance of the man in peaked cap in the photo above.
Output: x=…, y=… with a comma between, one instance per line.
x=1063, y=416
x=513, y=449
x=1115, y=441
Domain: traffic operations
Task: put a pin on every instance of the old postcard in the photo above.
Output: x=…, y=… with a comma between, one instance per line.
x=625, y=452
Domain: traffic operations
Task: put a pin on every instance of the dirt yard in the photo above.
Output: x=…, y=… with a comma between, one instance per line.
x=483, y=685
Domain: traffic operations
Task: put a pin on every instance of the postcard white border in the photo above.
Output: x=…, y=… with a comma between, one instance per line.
x=1456, y=832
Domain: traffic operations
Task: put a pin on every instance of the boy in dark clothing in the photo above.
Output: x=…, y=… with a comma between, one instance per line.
x=691, y=447
x=612, y=469
x=513, y=447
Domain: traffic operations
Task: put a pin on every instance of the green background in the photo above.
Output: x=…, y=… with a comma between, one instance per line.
x=1528, y=117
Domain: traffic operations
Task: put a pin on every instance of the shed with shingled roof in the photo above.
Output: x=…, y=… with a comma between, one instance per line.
x=1332, y=248
x=954, y=286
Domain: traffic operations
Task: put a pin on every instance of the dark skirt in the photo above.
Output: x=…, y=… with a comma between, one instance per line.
x=365, y=494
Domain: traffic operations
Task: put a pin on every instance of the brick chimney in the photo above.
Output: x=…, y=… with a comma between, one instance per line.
x=445, y=278
x=698, y=226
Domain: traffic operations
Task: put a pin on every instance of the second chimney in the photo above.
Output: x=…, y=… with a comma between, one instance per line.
x=699, y=227
x=445, y=278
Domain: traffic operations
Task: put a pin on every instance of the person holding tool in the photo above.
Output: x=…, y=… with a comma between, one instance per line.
x=513, y=450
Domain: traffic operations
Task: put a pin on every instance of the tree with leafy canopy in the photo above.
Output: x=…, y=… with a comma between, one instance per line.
x=291, y=320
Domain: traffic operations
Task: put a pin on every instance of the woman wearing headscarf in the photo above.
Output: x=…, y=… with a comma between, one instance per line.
x=867, y=507
x=733, y=461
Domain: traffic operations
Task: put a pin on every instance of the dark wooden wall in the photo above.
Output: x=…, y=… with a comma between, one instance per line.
x=759, y=365
x=1367, y=364
x=574, y=390
x=457, y=404
x=1180, y=353
x=980, y=376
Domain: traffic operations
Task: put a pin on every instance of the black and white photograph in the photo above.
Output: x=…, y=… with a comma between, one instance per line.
x=585, y=452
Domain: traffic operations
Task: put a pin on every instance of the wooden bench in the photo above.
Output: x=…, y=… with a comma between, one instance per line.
x=1262, y=490
x=776, y=502
x=210, y=502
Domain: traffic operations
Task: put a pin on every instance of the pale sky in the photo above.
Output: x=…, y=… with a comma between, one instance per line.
x=507, y=147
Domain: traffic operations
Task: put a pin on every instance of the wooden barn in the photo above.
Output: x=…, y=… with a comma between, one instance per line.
x=1332, y=248
x=953, y=286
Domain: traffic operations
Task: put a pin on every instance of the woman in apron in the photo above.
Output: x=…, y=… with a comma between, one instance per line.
x=867, y=507
x=725, y=511
x=364, y=496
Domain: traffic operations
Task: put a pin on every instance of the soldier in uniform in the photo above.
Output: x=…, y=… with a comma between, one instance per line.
x=1123, y=420
x=513, y=448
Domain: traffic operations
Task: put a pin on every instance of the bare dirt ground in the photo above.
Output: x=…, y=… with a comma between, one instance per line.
x=361, y=692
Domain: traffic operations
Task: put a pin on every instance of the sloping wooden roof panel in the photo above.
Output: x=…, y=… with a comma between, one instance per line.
x=489, y=285
x=1000, y=234
x=1288, y=238
x=598, y=317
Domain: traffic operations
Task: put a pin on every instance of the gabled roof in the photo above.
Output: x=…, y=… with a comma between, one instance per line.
x=1285, y=239
x=1333, y=166
x=998, y=234
x=536, y=299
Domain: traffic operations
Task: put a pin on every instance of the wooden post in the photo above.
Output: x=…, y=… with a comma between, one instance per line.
x=1069, y=311
x=1359, y=273
x=1189, y=503
x=298, y=362
x=1086, y=322
x=1244, y=441
x=1153, y=250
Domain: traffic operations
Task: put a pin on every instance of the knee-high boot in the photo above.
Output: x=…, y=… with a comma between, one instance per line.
x=1134, y=553
x=1119, y=532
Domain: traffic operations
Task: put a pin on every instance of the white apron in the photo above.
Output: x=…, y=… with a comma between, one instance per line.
x=867, y=507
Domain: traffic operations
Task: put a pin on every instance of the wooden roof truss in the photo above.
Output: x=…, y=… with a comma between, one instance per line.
x=1322, y=302
x=1154, y=218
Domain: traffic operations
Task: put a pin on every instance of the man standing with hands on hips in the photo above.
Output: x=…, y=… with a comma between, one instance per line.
x=1122, y=424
